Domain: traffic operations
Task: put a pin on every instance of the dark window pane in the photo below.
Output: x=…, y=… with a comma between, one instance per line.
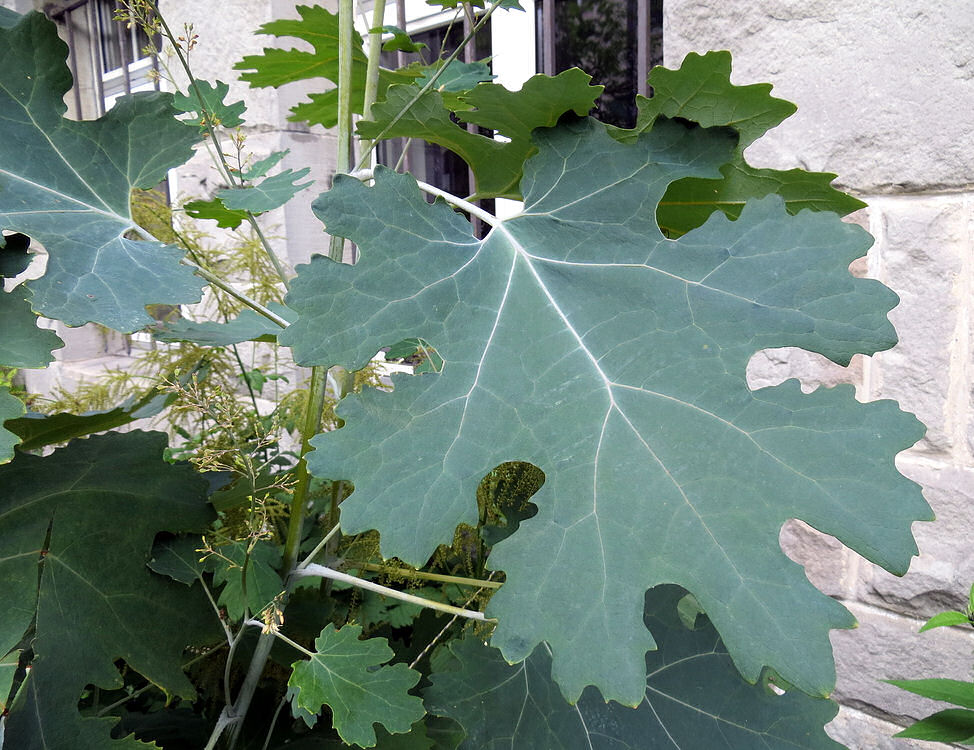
x=602, y=37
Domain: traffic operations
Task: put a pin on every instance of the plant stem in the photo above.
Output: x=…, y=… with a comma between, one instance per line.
x=221, y=284
x=265, y=243
x=270, y=729
x=320, y=546
x=125, y=700
x=346, y=18
x=309, y=428
x=324, y=572
x=246, y=380
x=436, y=639
x=464, y=205
x=237, y=294
x=222, y=723
x=238, y=711
x=281, y=636
x=423, y=575
x=221, y=161
x=470, y=208
x=366, y=155
x=372, y=71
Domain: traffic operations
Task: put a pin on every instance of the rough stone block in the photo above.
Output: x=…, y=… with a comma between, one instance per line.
x=922, y=257
x=829, y=565
x=888, y=646
x=770, y=367
x=940, y=578
x=866, y=98
x=859, y=731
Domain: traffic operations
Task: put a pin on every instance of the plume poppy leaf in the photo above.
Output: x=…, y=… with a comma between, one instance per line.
x=576, y=337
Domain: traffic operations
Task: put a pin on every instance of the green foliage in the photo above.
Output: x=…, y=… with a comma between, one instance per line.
x=272, y=192
x=600, y=380
x=579, y=430
x=701, y=91
x=22, y=343
x=85, y=518
x=276, y=67
x=247, y=326
x=11, y=407
x=219, y=113
x=952, y=724
x=342, y=675
x=694, y=697
x=66, y=184
x=216, y=210
x=248, y=574
x=514, y=114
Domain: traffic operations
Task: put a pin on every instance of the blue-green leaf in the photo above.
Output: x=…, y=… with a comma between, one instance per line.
x=67, y=185
x=577, y=338
x=272, y=192
x=694, y=698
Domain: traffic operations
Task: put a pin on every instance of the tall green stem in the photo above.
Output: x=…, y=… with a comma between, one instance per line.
x=309, y=428
x=372, y=72
x=366, y=153
x=346, y=19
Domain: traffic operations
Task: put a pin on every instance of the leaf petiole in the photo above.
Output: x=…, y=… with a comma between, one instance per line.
x=422, y=574
x=322, y=571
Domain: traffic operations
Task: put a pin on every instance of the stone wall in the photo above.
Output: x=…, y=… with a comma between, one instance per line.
x=885, y=94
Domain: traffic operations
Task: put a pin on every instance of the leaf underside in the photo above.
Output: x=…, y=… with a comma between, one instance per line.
x=694, y=698
x=89, y=513
x=496, y=165
x=67, y=184
x=577, y=338
x=700, y=90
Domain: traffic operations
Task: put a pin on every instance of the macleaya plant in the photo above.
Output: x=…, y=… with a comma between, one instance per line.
x=561, y=531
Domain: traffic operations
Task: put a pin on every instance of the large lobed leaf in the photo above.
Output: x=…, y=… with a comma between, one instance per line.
x=694, y=698
x=276, y=67
x=345, y=675
x=67, y=185
x=87, y=515
x=496, y=164
x=700, y=90
x=576, y=337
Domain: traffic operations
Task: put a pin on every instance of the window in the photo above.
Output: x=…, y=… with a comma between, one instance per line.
x=107, y=58
x=617, y=42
